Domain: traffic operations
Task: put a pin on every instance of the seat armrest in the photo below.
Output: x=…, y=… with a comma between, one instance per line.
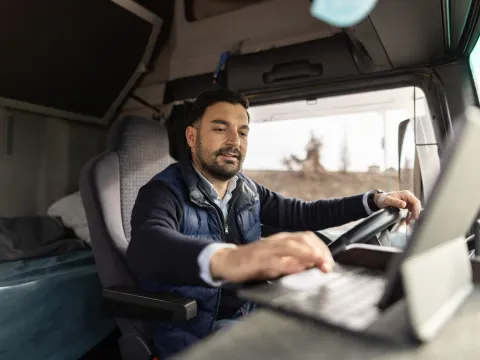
x=129, y=302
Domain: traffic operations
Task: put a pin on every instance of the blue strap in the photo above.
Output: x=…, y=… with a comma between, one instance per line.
x=223, y=59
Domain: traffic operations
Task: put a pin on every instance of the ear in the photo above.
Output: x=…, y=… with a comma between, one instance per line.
x=191, y=136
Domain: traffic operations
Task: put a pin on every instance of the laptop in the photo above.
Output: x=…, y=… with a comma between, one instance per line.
x=428, y=281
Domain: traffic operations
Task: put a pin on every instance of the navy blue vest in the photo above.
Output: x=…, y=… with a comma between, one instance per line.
x=200, y=219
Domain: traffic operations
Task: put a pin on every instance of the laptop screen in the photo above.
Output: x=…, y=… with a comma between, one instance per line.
x=453, y=204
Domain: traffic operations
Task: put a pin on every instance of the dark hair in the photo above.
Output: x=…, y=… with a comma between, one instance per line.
x=212, y=97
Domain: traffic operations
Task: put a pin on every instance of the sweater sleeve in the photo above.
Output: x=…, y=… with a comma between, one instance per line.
x=292, y=214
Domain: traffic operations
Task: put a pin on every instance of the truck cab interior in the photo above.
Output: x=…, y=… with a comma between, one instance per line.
x=94, y=97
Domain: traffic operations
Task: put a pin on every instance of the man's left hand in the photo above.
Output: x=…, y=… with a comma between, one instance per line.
x=402, y=200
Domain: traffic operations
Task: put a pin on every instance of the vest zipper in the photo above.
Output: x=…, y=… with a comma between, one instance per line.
x=218, y=212
x=225, y=229
x=223, y=222
x=230, y=212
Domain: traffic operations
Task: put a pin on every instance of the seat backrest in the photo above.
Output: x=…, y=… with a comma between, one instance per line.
x=137, y=149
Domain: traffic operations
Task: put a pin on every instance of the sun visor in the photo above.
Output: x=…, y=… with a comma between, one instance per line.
x=313, y=61
x=73, y=59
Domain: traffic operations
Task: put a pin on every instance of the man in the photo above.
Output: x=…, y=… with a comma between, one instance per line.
x=196, y=225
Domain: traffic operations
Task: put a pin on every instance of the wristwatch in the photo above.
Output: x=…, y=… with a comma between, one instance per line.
x=371, y=199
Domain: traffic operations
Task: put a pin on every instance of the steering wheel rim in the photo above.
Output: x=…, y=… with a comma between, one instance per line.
x=367, y=228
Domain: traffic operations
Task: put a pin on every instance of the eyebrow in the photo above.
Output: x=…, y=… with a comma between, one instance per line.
x=220, y=122
x=226, y=123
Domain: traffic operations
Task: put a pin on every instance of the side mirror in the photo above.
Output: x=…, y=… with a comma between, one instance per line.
x=402, y=130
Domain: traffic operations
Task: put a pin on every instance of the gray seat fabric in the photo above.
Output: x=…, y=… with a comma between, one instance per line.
x=137, y=149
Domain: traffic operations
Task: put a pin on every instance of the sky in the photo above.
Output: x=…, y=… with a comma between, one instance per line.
x=269, y=142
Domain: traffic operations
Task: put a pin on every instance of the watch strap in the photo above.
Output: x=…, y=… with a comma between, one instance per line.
x=371, y=199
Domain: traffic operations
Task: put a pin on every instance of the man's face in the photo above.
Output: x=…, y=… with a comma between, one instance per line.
x=219, y=140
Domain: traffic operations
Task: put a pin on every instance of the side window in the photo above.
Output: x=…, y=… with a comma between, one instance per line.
x=475, y=64
x=475, y=68
x=339, y=146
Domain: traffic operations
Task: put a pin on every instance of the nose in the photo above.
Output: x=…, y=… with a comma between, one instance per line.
x=233, y=138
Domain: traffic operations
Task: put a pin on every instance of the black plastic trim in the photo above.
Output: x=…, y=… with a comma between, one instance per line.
x=136, y=347
x=127, y=302
x=190, y=87
x=470, y=32
x=476, y=270
x=373, y=257
x=189, y=12
x=447, y=41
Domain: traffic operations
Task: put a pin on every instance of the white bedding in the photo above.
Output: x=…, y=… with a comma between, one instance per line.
x=72, y=213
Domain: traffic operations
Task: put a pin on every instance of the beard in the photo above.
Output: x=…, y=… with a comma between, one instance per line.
x=217, y=166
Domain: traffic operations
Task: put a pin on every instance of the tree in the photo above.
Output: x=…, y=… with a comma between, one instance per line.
x=407, y=175
x=345, y=155
x=407, y=164
x=312, y=161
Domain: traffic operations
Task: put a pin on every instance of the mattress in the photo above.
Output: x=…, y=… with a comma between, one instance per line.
x=51, y=308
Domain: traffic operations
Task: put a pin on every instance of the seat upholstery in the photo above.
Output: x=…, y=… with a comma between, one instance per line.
x=137, y=149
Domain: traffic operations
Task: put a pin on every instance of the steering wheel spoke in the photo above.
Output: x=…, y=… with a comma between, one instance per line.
x=380, y=222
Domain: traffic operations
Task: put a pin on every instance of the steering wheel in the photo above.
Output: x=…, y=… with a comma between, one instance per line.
x=366, y=229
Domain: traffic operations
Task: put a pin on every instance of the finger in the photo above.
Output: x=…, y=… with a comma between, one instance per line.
x=326, y=267
x=305, y=246
x=294, y=246
x=392, y=201
x=277, y=266
x=410, y=219
x=290, y=265
x=322, y=251
x=414, y=205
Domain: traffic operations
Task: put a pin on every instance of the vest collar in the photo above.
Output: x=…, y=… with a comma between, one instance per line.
x=197, y=189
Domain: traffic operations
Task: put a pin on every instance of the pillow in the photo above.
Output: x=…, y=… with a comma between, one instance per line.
x=72, y=213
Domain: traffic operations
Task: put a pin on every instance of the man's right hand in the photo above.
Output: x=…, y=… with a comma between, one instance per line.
x=276, y=255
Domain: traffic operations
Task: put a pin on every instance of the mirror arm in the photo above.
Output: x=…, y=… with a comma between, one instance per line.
x=477, y=238
x=402, y=130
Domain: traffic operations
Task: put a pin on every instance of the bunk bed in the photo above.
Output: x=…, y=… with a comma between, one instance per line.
x=50, y=294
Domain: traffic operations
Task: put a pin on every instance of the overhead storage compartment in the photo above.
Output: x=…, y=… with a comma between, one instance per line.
x=315, y=60
x=340, y=56
x=73, y=59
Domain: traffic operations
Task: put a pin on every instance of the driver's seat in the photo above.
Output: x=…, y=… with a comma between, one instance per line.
x=138, y=148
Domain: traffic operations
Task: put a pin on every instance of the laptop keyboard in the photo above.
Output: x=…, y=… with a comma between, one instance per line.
x=345, y=296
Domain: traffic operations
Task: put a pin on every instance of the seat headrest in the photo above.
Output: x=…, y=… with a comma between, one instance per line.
x=133, y=130
x=143, y=151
